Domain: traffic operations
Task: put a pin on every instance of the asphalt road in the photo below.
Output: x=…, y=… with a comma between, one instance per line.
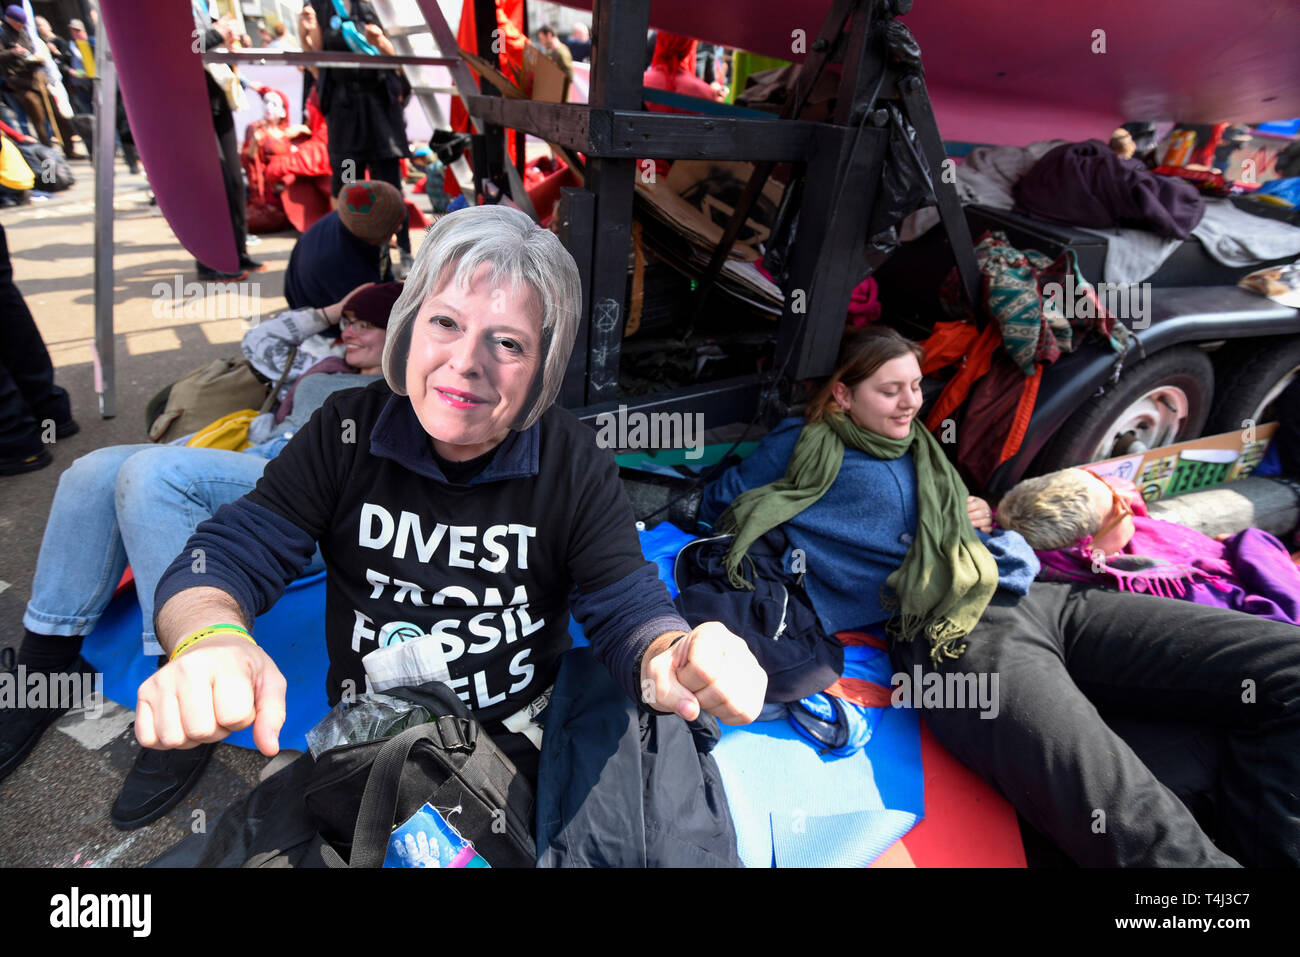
x=54, y=807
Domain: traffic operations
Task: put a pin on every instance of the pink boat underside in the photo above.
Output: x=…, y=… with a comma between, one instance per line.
x=998, y=71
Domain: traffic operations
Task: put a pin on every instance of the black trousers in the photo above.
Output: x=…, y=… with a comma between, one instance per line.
x=232, y=177
x=388, y=170
x=28, y=395
x=1062, y=652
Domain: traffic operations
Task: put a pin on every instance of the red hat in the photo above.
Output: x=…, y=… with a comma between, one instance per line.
x=371, y=210
x=374, y=304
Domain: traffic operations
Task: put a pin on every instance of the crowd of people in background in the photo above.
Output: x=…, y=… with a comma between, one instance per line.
x=1064, y=591
x=43, y=78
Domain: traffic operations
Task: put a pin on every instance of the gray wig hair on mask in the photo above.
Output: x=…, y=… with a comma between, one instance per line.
x=519, y=254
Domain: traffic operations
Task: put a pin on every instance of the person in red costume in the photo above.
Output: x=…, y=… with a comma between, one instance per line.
x=673, y=70
x=287, y=166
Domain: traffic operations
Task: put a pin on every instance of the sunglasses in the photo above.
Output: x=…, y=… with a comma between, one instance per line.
x=1121, y=508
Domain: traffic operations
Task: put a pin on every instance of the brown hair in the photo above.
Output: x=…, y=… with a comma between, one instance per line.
x=861, y=354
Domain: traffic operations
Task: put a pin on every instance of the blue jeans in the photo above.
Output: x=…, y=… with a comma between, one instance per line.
x=128, y=504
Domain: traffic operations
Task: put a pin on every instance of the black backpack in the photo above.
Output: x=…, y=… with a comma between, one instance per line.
x=340, y=810
x=358, y=792
x=51, y=170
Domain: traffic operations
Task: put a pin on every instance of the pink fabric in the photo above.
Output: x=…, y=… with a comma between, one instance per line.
x=673, y=70
x=1008, y=71
x=1249, y=572
x=166, y=100
x=864, y=305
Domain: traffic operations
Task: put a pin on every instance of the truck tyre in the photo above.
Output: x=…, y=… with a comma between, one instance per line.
x=1252, y=385
x=1163, y=400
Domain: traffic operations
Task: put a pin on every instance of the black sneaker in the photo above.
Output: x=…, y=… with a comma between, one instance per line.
x=64, y=430
x=21, y=728
x=18, y=464
x=249, y=264
x=157, y=782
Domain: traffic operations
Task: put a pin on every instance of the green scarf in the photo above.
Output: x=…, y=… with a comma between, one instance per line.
x=948, y=576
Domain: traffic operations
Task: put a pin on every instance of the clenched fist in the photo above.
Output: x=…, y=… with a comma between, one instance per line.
x=709, y=669
x=217, y=686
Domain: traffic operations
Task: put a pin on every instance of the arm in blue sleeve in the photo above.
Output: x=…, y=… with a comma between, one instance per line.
x=765, y=464
x=1017, y=563
x=620, y=621
x=247, y=551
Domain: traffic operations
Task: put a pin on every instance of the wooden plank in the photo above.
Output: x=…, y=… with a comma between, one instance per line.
x=564, y=124
x=611, y=183
x=446, y=41
x=677, y=136
x=862, y=68
x=829, y=255
x=724, y=402
x=500, y=82
x=618, y=37
x=921, y=114
x=575, y=225
x=632, y=134
x=617, y=58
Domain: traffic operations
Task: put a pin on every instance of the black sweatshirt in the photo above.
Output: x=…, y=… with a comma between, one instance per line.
x=487, y=567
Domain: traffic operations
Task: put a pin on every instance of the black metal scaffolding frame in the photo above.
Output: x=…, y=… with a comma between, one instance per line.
x=840, y=164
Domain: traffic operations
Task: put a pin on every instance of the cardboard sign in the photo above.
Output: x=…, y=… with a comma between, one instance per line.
x=543, y=79
x=1191, y=466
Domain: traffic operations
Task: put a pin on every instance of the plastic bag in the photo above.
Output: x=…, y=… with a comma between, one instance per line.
x=904, y=182
x=371, y=716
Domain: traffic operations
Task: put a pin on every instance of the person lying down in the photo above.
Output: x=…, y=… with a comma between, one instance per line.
x=1094, y=530
x=891, y=540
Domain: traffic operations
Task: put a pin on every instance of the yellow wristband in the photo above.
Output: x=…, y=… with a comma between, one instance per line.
x=212, y=631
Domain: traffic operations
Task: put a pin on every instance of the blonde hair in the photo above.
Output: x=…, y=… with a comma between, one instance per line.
x=1051, y=511
x=519, y=254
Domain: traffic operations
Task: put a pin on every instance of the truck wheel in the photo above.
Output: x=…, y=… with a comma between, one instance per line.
x=1157, y=402
x=1253, y=384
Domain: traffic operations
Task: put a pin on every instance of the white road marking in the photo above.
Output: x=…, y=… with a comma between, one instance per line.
x=96, y=733
x=114, y=852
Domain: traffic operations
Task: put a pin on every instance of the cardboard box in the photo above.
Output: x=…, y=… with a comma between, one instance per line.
x=1191, y=466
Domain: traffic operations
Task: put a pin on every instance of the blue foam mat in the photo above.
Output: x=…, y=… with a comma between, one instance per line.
x=791, y=806
x=293, y=634
x=794, y=808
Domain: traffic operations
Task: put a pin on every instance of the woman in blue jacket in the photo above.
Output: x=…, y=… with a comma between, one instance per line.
x=890, y=537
